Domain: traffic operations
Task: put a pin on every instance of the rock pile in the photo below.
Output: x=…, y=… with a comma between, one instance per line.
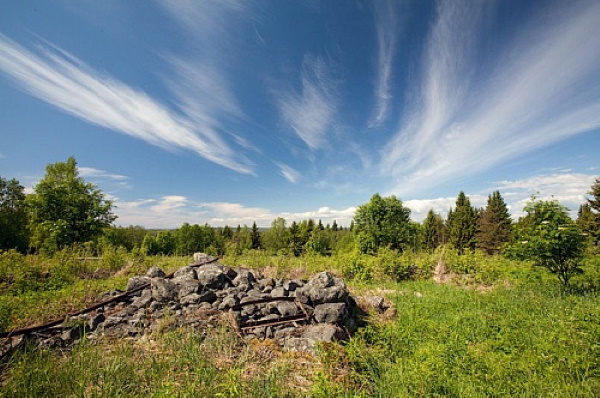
x=295, y=313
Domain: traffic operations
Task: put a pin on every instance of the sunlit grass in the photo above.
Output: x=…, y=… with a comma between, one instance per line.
x=498, y=328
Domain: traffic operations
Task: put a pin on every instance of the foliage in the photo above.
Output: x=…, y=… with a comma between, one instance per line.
x=494, y=225
x=589, y=215
x=276, y=238
x=319, y=242
x=65, y=209
x=432, y=231
x=13, y=216
x=462, y=224
x=383, y=221
x=130, y=237
x=549, y=237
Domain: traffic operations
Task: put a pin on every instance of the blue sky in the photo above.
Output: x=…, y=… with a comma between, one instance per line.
x=229, y=112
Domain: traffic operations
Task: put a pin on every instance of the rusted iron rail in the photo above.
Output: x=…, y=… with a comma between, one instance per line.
x=268, y=322
x=39, y=328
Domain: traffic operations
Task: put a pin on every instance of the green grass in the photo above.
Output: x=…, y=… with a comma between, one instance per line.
x=505, y=330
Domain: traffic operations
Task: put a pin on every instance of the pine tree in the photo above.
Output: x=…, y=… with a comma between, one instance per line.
x=494, y=225
x=462, y=224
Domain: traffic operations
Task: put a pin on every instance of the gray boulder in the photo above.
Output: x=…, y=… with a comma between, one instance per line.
x=330, y=312
x=155, y=272
x=185, y=273
x=137, y=281
x=162, y=290
x=323, y=288
x=211, y=276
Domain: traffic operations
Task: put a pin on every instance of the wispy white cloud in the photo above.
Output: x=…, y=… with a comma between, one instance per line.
x=570, y=189
x=311, y=112
x=171, y=211
x=63, y=81
x=289, y=173
x=92, y=172
x=169, y=203
x=386, y=24
x=473, y=113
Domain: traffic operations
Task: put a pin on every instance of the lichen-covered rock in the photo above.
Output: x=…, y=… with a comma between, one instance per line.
x=185, y=273
x=330, y=312
x=136, y=282
x=287, y=308
x=185, y=286
x=211, y=276
x=155, y=272
x=162, y=290
x=323, y=288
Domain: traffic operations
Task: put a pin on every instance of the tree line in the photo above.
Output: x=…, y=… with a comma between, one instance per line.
x=65, y=210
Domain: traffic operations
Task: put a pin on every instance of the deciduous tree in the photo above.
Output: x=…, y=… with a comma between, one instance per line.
x=382, y=222
x=13, y=216
x=549, y=237
x=65, y=209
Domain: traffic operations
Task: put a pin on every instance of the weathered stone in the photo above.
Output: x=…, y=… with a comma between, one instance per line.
x=211, y=276
x=143, y=300
x=287, y=308
x=279, y=291
x=163, y=290
x=228, y=302
x=186, y=286
x=330, y=312
x=266, y=282
x=292, y=285
x=229, y=272
x=95, y=320
x=136, y=282
x=244, y=277
x=373, y=303
x=324, y=332
x=155, y=272
x=324, y=288
x=185, y=273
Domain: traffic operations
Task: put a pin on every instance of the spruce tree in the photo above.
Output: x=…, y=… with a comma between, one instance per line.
x=594, y=205
x=255, y=234
x=432, y=231
x=462, y=224
x=494, y=225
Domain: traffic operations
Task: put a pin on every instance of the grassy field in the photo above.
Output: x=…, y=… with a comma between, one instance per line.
x=496, y=328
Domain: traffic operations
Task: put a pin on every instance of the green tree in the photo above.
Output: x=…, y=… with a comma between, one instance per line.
x=166, y=243
x=432, y=231
x=462, y=224
x=255, y=233
x=318, y=243
x=295, y=239
x=382, y=222
x=276, y=238
x=549, y=237
x=494, y=225
x=130, y=237
x=594, y=218
x=586, y=222
x=14, y=233
x=65, y=209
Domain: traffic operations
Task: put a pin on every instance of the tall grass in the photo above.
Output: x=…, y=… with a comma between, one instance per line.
x=522, y=336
